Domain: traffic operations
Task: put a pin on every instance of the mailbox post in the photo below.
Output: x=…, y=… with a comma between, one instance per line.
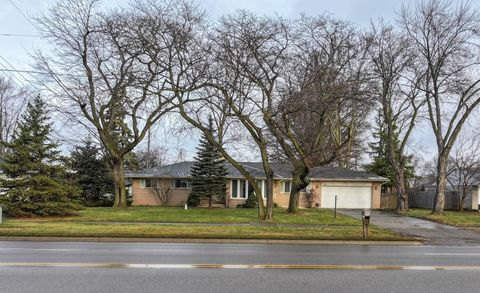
x=365, y=222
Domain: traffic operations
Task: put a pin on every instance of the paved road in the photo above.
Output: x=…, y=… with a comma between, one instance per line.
x=434, y=233
x=140, y=267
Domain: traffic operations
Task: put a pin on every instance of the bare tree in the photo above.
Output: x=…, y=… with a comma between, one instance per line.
x=156, y=156
x=118, y=70
x=464, y=168
x=12, y=102
x=252, y=51
x=244, y=53
x=163, y=194
x=397, y=94
x=250, y=80
x=322, y=98
x=446, y=39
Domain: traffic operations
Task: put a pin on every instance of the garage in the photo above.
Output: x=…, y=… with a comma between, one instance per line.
x=348, y=197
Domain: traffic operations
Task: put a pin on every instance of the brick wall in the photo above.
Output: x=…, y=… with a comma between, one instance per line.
x=148, y=196
x=178, y=197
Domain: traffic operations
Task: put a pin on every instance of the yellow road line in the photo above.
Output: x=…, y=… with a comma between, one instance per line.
x=237, y=266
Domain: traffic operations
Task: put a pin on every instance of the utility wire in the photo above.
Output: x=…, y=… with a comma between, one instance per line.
x=37, y=72
x=23, y=14
x=13, y=77
x=20, y=73
x=11, y=66
x=20, y=35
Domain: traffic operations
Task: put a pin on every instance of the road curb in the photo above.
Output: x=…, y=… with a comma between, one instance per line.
x=206, y=240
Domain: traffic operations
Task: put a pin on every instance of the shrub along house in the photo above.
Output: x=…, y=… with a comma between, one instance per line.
x=353, y=189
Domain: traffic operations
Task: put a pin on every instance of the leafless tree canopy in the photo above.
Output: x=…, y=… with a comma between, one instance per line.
x=120, y=69
x=324, y=96
x=396, y=91
x=301, y=88
x=446, y=38
x=154, y=157
x=464, y=168
x=12, y=102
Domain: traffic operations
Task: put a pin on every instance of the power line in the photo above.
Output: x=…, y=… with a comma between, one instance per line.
x=20, y=35
x=36, y=72
x=23, y=14
x=11, y=66
x=13, y=77
x=26, y=71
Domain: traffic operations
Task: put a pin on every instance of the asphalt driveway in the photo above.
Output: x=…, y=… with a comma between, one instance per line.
x=433, y=233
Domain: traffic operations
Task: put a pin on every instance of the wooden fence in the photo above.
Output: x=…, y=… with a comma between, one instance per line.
x=426, y=199
x=388, y=201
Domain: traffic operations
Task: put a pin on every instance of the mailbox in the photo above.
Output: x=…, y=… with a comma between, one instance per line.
x=365, y=221
x=366, y=214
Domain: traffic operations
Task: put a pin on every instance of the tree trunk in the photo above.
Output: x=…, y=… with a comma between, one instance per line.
x=261, y=206
x=269, y=196
x=439, y=203
x=299, y=182
x=119, y=183
x=402, y=195
x=463, y=197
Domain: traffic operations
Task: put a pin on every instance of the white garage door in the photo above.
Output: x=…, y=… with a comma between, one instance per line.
x=348, y=197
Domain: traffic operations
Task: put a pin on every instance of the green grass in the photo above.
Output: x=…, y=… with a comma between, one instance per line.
x=139, y=222
x=200, y=215
x=467, y=219
x=72, y=229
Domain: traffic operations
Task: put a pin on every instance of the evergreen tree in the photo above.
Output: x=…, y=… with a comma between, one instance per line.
x=208, y=173
x=36, y=181
x=92, y=175
x=380, y=165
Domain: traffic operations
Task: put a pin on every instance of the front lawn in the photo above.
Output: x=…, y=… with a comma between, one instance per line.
x=467, y=219
x=73, y=229
x=201, y=215
x=153, y=222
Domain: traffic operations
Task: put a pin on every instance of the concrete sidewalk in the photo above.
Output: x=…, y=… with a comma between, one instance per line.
x=434, y=233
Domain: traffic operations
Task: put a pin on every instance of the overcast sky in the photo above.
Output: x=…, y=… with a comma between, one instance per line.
x=19, y=20
x=15, y=48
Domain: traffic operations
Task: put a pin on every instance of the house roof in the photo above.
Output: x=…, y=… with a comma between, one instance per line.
x=281, y=171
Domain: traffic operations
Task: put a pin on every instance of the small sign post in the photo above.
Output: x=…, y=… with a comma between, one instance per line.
x=335, y=210
x=365, y=222
x=1, y=216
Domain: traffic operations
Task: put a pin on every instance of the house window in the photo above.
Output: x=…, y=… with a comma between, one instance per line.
x=287, y=186
x=181, y=183
x=239, y=189
x=148, y=183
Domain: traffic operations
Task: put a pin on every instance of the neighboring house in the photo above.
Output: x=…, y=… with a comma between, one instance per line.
x=354, y=189
x=423, y=196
